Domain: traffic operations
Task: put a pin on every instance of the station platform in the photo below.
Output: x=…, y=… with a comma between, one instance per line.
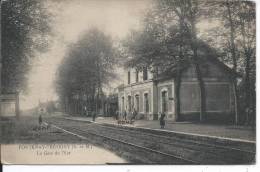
x=217, y=131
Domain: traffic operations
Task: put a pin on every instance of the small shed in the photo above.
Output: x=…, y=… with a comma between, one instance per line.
x=9, y=105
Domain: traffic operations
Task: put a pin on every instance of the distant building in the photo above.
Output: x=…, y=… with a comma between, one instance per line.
x=150, y=95
x=110, y=106
x=9, y=105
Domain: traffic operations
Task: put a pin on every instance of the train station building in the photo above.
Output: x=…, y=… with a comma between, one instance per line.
x=150, y=95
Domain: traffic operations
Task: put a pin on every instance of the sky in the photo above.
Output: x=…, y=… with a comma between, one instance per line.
x=70, y=19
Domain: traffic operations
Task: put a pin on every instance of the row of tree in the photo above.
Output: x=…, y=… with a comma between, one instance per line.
x=170, y=40
x=83, y=72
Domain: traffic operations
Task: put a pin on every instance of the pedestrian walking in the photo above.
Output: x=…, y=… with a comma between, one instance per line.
x=162, y=120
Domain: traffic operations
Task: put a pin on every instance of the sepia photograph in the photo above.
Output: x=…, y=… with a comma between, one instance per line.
x=128, y=82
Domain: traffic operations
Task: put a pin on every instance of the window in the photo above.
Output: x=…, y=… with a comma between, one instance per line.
x=137, y=103
x=146, y=103
x=136, y=76
x=128, y=77
x=145, y=74
x=164, y=101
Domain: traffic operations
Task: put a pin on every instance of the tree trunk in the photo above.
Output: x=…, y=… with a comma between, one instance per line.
x=249, y=89
x=177, y=84
x=234, y=58
x=201, y=88
x=66, y=104
x=69, y=105
x=235, y=100
x=97, y=100
x=247, y=84
x=195, y=61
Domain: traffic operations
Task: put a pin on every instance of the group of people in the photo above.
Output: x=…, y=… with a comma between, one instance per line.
x=126, y=117
x=122, y=117
x=129, y=117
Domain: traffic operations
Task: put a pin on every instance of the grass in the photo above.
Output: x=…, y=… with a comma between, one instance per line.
x=27, y=130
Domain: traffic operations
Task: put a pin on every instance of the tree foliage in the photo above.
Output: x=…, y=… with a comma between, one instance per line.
x=85, y=69
x=170, y=39
x=25, y=25
x=235, y=38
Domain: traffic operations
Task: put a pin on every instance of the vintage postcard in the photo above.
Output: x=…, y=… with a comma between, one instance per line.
x=162, y=82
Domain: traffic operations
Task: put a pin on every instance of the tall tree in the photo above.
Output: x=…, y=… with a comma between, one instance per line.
x=235, y=36
x=158, y=47
x=188, y=14
x=246, y=23
x=169, y=39
x=233, y=52
x=85, y=69
x=25, y=26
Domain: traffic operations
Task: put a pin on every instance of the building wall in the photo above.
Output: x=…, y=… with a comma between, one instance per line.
x=218, y=92
x=133, y=76
x=136, y=90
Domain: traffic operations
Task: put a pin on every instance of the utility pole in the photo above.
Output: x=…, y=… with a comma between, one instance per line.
x=0, y=64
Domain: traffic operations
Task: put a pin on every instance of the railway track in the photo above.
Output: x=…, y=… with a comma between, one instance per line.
x=156, y=157
x=118, y=128
x=164, y=149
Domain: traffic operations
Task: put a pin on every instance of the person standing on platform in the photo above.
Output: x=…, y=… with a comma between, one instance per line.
x=125, y=114
x=117, y=115
x=162, y=120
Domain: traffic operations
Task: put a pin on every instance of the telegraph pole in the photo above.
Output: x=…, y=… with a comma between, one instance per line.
x=0, y=62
